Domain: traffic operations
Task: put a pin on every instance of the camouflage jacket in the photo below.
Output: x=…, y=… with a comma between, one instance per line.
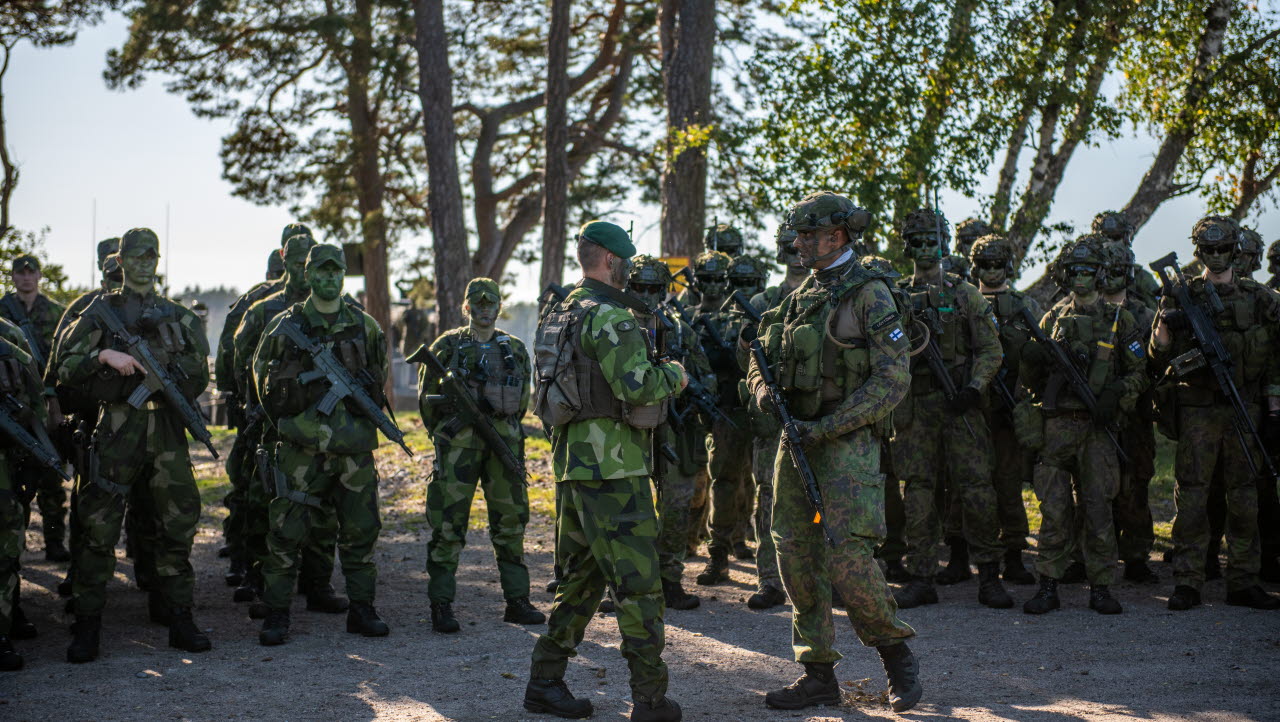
x=720, y=347
x=44, y=315
x=966, y=335
x=478, y=363
x=247, y=335
x=1014, y=335
x=277, y=359
x=682, y=343
x=604, y=448
x=123, y=431
x=26, y=385
x=224, y=363
x=1086, y=332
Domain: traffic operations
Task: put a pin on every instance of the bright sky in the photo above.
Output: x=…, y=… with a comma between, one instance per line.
x=135, y=154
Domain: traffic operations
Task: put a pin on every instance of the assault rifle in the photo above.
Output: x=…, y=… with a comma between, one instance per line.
x=701, y=321
x=454, y=392
x=695, y=392
x=791, y=437
x=342, y=385
x=1210, y=352
x=157, y=379
x=14, y=306
x=933, y=355
x=37, y=445
x=1075, y=379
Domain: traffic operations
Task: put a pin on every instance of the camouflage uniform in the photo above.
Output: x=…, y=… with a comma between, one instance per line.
x=496, y=370
x=1273, y=265
x=23, y=383
x=1142, y=286
x=606, y=528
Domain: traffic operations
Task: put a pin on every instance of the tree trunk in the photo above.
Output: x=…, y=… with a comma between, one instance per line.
x=555, y=178
x=444, y=188
x=10, y=180
x=370, y=187
x=1251, y=185
x=687, y=38
x=1158, y=186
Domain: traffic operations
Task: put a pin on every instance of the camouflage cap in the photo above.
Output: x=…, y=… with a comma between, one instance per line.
x=296, y=247
x=646, y=269
x=825, y=209
x=971, y=229
x=275, y=262
x=786, y=235
x=608, y=235
x=483, y=289
x=24, y=262
x=924, y=220
x=1112, y=224
x=1086, y=249
x=137, y=241
x=326, y=253
x=106, y=248
x=294, y=229
x=1215, y=230
x=712, y=262
x=722, y=237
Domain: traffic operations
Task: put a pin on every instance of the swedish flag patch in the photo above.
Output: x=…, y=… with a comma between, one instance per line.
x=1136, y=348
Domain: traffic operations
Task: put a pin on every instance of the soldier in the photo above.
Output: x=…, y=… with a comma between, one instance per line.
x=37, y=315
x=19, y=379
x=136, y=448
x=1249, y=257
x=275, y=261
x=316, y=556
x=992, y=259
x=1244, y=314
x=600, y=394
x=967, y=232
x=724, y=238
x=729, y=448
x=1273, y=265
x=495, y=366
x=685, y=434
x=939, y=437
x=1108, y=342
x=846, y=369
x=1115, y=226
x=1135, y=530
x=323, y=464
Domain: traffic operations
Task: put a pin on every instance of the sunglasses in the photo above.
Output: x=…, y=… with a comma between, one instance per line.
x=1220, y=250
x=987, y=265
x=1081, y=270
x=721, y=278
x=743, y=282
x=648, y=288
x=921, y=242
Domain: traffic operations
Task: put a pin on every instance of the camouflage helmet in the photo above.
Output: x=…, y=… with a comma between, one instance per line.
x=1216, y=230
x=969, y=231
x=1249, y=256
x=711, y=271
x=1084, y=251
x=925, y=220
x=825, y=209
x=991, y=247
x=785, y=240
x=724, y=238
x=748, y=274
x=1273, y=257
x=1117, y=265
x=650, y=270
x=1114, y=225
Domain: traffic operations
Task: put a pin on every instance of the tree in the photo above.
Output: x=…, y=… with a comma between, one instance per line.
x=687, y=40
x=556, y=170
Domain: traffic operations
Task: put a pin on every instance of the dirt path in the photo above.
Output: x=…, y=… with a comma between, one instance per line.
x=1213, y=663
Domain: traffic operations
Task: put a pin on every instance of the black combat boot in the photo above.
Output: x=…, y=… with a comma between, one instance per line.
x=895, y=572
x=250, y=588
x=157, y=608
x=322, y=598
x=552, y=696
x=275, y=629
x=716, y=570
x=958, y=565
x=1046, y=598
x=10, y=660
x=442, y=619
x=676, y=597
x=55, y=550
x=183, y=632
x=991, y=592
x=663, y=710
x=1136, y=570
x=766, y=597
x=1101, y=601
x=86, y=638
x=65, y=587
x=19, y=626
x=1270, y=571
x=903, y=671
x=1074, y=574
x=363, y=619
x=224, y=551
x=742, y=552
x=235, y=572
x=1015, y=572
x=817, y=686
x=1252, y=597
x=1183, y=598
x=918, y=592
x=553, y=585
x=521, y=611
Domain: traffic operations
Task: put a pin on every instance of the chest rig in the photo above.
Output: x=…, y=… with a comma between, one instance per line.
x=949, y=320
x=284, y=394
x=156, y=323
x=1007, y=308
x=1245, y=331
x=491, y=369
x=1090, y=337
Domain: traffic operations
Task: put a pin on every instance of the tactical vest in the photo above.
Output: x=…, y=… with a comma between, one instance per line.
x=492, y=369
x=1007, y=307
x=1246, y=333
x=569, y=385
x=156, y=323
x=951, y=324
x=283, y=394
x=1090, y=340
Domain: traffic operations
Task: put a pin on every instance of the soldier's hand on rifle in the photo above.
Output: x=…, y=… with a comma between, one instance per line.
x=808, y=433
x=1104, y=413
x=123, y=363
x=684, y=375
x=967, y=399
x=764, y=401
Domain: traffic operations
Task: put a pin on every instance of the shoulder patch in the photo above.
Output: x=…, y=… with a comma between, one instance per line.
x=626, y=326
x=886, y=321
x=895, y=334
x=1136, y=348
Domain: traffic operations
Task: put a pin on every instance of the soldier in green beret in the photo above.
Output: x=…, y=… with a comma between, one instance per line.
x=600, y=393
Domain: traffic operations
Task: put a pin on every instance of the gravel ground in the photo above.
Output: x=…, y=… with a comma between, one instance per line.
x=1213, y=663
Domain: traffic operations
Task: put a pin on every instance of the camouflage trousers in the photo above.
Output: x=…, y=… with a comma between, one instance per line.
x=731, y=484
x=51, y=499
x=1135, y=529
x=1075, y=448
x=699, y=508
x=895, y=517
x=239, y=468
x=1207, y=442
x=932, y=446
x=675, y=514
x=315, y=560
x=848, y=474
x=163, y=493
x=13, y=538
x=342, y=489
x=606, y=532
x=764, y=452
x=1012, y=466
x=454, y=477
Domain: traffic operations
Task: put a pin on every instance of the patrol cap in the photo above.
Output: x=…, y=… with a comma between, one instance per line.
x=608, y=235
x=293, y=229
x=483, y=289
x=275, y=263
x=111, y=267
x=326, y=253
x=106, y=248
x=295, y=247
x=25, y=261
x=137, y=241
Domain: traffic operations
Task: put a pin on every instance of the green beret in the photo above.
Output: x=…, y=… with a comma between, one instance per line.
x=326, y=253
x=483, y=288
x=610, y=236
x=26, y=261
x=106, y=248
x=293, y=229
x=137, y=241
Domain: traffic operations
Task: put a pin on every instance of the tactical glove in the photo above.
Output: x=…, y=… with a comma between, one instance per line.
x=966, y=399
x=1104, y=412
x=764, y=402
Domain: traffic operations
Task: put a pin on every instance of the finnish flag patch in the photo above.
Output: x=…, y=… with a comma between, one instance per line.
x=895, y=334
x=1136, y=348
